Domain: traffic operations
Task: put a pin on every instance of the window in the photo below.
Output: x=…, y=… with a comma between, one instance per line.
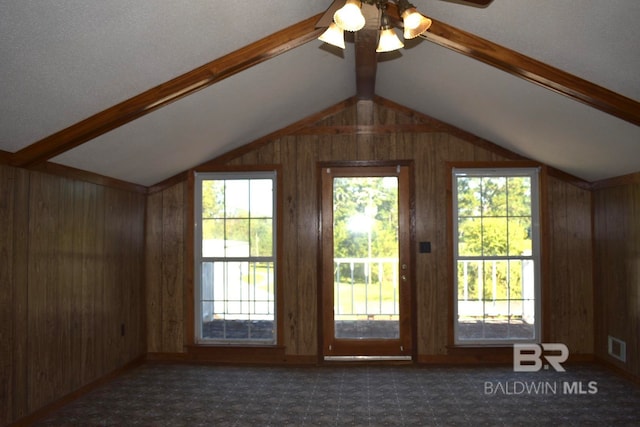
x=496, y=255
x=235, y=256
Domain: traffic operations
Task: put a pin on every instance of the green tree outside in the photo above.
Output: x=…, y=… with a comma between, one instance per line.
x=494, y=220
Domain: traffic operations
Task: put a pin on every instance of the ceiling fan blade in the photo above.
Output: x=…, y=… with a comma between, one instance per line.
x=326, y=19
x=475, y=3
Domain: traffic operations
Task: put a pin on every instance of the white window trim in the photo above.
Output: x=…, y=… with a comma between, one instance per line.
x=199, y=177
x=534, y=174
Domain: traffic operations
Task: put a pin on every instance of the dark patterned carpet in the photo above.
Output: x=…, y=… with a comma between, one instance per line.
x=359, y=395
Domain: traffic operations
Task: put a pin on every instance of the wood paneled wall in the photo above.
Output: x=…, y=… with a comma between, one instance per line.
x=570, y=287
x=568, y=292
x=617, y=272
x=165, y=269
x=71, y=282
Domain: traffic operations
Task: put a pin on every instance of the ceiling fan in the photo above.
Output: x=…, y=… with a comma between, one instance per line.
x=382, y=15
x=371, y=22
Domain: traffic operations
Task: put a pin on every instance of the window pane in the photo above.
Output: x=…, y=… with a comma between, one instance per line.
x=213, y=237
x=237, y=198
x=520, y=236
x=496, y=287
x=261, y=198
x=469, y=196
x=262, y=294
x=519, y=189
x=494, y=196
x=212, y=199
x=527, y=269
x=494, y=236
x=237, y=238
x=238, y=300
x=469, y=280
x=470, y=237
x=366, y=300
x=261, y=237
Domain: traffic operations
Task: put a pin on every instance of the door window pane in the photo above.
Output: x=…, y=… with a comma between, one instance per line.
x=366, y=298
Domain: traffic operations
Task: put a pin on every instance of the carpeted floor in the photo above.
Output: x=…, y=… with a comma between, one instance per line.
x=359, y=395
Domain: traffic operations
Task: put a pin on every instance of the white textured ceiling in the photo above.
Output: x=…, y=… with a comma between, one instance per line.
x=64, y=60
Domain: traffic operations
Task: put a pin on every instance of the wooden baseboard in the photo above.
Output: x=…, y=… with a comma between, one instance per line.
x=443, y=359
x=222, y=355
x=166, y=357
x=65, y=400
x=456, y=356
x=470, y=356
x=617, y=370
x=485, y=356
x=302, y=360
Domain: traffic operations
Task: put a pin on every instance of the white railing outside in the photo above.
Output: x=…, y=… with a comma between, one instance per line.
x=374, y=297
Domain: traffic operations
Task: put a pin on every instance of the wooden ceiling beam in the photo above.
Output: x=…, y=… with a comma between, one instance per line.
x=296, y=35
x=166, y=93
x=531, y=70
x=366, y=42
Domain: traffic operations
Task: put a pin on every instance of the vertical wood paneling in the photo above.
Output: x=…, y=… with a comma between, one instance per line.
x=442, y=152
x=570, y=299
x=7, y=290
x=289, y=244
x=43, y=269
x=76, y=191
x=153, y=276
x=60, y=253
x=112, y=290
x=558, y=262
x=307, y=237
x=173, y=242
x=426, y=279
x=165, y=270
x=430, y=152
x=91, y=280
x=20, y=283
x=617, y=272
x=13, y=310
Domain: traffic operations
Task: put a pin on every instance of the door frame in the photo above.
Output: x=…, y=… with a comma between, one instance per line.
x=374, y=349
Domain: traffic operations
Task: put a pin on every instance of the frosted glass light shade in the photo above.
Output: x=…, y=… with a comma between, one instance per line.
x=414, y=23
x=333, y=35
x=389, y=41
x=349, y=17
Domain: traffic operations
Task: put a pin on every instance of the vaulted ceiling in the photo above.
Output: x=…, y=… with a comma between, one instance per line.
x=100, y=85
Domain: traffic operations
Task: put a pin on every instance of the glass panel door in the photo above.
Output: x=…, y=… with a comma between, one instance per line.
x=366, y=286
x=365, y=257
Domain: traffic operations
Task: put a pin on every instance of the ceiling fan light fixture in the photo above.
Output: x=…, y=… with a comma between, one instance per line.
x=414, y=23
x=389, y=41
x=334, y=36
x=349, y=17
